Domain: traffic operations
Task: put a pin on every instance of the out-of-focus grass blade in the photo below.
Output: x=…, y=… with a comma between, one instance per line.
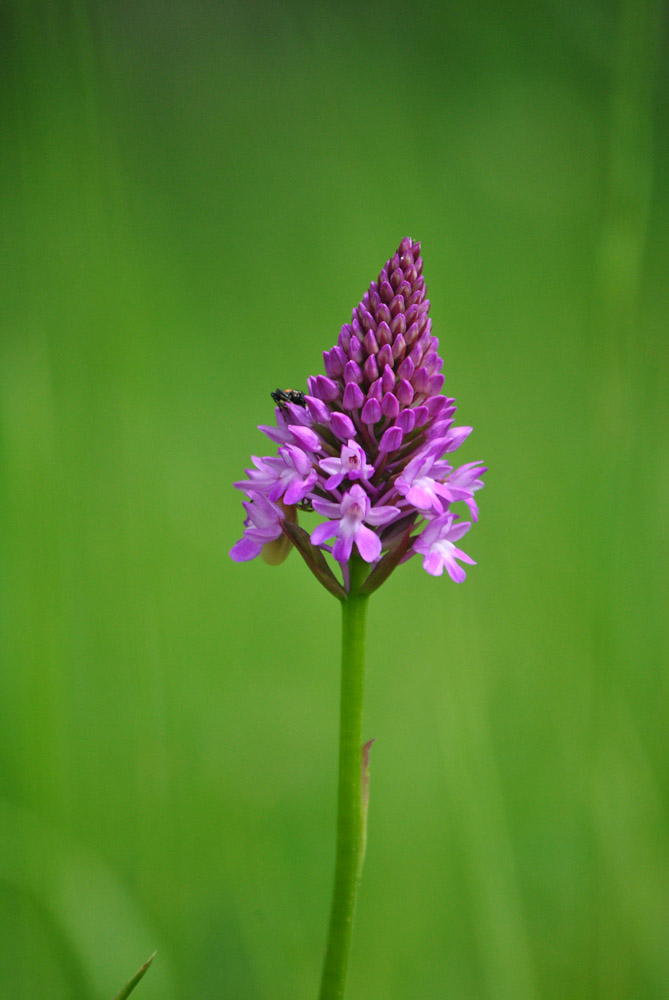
x=130, y=985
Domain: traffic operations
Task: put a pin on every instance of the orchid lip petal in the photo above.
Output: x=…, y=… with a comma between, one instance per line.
x=369, y=544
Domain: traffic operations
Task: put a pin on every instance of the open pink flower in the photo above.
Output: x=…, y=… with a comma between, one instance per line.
x=348, y=525
x=435, y=544
x=262, y=525
x=351, y=464
x=290, y=475
x=419, y=488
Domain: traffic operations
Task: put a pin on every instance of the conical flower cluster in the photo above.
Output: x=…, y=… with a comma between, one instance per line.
x=366, y=447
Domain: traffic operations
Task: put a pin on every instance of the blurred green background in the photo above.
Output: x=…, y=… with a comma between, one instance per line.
x=194, y=196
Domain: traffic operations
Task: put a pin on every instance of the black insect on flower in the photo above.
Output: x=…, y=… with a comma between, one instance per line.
x=283, y=396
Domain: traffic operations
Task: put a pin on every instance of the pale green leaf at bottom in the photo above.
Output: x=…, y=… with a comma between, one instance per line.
x=130, y=985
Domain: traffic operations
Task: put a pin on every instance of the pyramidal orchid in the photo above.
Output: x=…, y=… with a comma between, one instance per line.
x=364, y=461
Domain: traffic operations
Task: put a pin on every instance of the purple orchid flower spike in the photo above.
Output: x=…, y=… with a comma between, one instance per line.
x=365, y=446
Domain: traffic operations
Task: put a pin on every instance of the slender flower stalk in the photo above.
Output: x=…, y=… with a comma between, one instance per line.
x=351, y=814
x=366, y=449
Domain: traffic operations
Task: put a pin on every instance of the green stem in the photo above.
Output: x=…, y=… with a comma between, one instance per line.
x=350, y=817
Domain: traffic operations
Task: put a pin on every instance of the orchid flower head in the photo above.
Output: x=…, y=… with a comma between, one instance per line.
x=364, y=446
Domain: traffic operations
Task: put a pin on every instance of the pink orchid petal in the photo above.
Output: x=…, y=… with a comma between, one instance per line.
x=382, y=515
x=369, y=544
x=342, y=549
x=245, y=549
x=322, y=532
x=459, y=529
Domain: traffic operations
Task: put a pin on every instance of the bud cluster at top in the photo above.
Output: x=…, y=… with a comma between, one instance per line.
x=366, y=447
